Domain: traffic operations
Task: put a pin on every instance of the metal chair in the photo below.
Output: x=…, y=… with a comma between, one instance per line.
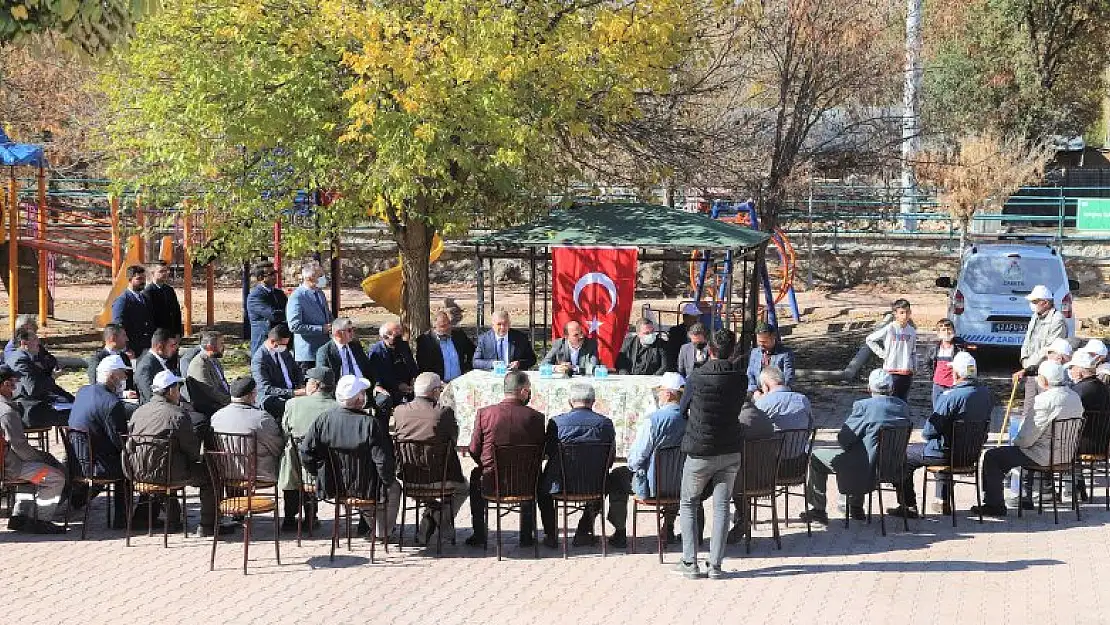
x=792, y=471
x=308, y=488
x=81, y=460
x=9, y=484
x=354, y=484
x=233, y=467
x=516, y=472
x=584, y=484
x=890, y=468
x=757, y=478
x=964, y=450
x=148, y=464
x=1062, y=460
x=667, y=474
x=1094, y=449
x=422, y=467
x=39, y=436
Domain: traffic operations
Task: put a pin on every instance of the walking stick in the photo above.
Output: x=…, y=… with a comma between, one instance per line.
x=1006, y=417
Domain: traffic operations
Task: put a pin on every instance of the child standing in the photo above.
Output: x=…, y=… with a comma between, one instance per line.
x=896, y=344
x=940, y=357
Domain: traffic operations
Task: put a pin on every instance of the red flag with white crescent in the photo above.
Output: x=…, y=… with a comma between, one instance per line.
x=595, y=287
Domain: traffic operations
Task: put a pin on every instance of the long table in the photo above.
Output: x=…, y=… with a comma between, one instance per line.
x=623, y=398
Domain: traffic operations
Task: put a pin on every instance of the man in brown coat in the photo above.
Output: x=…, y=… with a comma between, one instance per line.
x=510, y=422
x=422, y=420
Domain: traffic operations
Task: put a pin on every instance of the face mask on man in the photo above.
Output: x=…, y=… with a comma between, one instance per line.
x=121, y=386
x=322, y=282
x=1034, y=307
x=647, y=339
x=945, y=336
x=280, y=348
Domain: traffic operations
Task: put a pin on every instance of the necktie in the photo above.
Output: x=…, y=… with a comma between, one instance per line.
x=347, y=368
x=284, y=371
x=504, y=350
x=320, y=300
x=220, y=372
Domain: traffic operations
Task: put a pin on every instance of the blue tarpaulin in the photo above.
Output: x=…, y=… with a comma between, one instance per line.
x=12, y=153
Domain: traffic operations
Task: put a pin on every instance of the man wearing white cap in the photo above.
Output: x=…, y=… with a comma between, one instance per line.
x=1059, y=351
x=1032, y=444
x=965, y=401
x=1096, y=401
x=1046, y=325
x=1097, y=349
x=349, y=427
x=99, y=410
x=858, y=447
x=678, y=335
x=662, y=428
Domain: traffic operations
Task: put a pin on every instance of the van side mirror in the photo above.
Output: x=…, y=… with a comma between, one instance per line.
x=945, y=282
x=1073, y=285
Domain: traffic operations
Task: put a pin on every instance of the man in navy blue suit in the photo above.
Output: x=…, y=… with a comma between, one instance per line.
x=265, y=303
x=501, y=342
x=132, y=311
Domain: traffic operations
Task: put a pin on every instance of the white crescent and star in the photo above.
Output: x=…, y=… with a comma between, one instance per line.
x=595, y=278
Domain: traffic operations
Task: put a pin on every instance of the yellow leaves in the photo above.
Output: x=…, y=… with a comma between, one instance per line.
x=425, y=132
x=19, y=12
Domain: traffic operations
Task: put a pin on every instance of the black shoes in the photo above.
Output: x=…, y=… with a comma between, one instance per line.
x=814, y=516
x=735, y=535
x=20, y=523
x=908, y=512
x=619, y=540
x=991, y=511
x=549, y=540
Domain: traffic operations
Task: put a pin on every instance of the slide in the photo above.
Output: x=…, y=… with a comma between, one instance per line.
x=385, y=287
x=134, y=248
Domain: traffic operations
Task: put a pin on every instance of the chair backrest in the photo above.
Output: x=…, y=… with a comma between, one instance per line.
x=668, y=463
x=584, y=467
x=3, y=452
x=1096, y=432
x=759, y=465
x=80, y=454
x=891, y=458
x=236, y=458
x=1065, y=440
x=968, y=438
x=422, y=462
x=352, y=475
x=797, y=445
x=295, y=460
x=148, y=459
x=516, y=470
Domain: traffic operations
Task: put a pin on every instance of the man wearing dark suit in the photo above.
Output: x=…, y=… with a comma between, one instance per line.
x=343, y=354
x=162, y=356
x=678, y=335
x=99, y=410
x=573, y=352
x=265, y=304
x=131, y=310
x=392, y=368
x=277, y=374
x=209, y=390
x=115, y=342
x=444, y=350
x=45, y=359
x=643, y=352
x=36, y=392
x=510, y=422
x=165, y=311
x=503, y=343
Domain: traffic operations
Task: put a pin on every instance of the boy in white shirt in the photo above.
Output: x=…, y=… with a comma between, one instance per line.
x=896, y=344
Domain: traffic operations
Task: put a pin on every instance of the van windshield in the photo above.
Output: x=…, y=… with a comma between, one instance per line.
x=1011, y=275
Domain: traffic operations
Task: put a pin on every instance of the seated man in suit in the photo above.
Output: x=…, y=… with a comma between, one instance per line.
x=580, y=425
x=344, y=354
x=36, y=392
x=241, y=417
x=115, y=343
x=423, y=420
x=33, y=512
x=769, y=351
x=99, y=410
x=444, y=350
x=510, y=422
x=643, y=352
x=132, y=310
x=44, y=358
x=300, y=414
x=695, y=352
x=278, y=376
x=853, y=459
x=265, y=303
x=574, y=353
x=502, y=343
x=162, y=356
x=209, y=390
x=392, y=368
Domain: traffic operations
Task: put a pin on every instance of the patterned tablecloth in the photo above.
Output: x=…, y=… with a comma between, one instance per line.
x=623, y=398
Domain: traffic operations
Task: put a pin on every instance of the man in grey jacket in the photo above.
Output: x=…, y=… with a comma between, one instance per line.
x=33, y=510
x=1046, y=325
x=241, y=417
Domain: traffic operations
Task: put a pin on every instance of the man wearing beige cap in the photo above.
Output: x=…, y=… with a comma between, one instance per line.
x=1046, y=325
x=1098, y=351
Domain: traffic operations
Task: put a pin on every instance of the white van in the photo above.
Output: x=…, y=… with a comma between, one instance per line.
x=987, y=302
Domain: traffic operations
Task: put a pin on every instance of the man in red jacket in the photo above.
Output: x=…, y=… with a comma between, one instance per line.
x=510, y=422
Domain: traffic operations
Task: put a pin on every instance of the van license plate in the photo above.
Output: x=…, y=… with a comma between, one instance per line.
x=1009, y=327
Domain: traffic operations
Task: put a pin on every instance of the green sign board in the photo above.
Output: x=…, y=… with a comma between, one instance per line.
x=1093, y=214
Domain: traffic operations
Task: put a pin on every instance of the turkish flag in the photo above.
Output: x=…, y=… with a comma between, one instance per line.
x=594, y=286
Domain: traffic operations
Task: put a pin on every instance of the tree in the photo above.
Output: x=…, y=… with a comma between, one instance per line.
x=980, y=171
x=424, y=114
x=93, y=27
x=1030, y=68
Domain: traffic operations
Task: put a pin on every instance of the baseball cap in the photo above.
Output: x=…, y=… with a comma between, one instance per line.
x=1083, y=360
x=165, y=380
x=110, y=363
x=765, y=328
x=691, y=309
x=672, y=381
x=1052, y=372
x=323, y=375
x=7, y=373
x=1039, y=292
x=242, y=386
x=1060, y=346
x=963, y=364
x=349, y=386
x=879, y=380
x=1096, y=347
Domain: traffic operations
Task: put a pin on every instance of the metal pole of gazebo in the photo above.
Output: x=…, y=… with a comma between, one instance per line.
x=532, y=295
x=546, y=291
x=480, y=305
x=13, y=249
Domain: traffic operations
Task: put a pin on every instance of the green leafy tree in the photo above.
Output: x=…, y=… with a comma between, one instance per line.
x=92, y=27
x=422, y=114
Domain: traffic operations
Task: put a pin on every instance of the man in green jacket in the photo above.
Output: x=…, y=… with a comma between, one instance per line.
x=300, y=413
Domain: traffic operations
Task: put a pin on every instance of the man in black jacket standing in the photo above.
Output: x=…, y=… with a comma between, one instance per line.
x=165, y=311
x=713, y=440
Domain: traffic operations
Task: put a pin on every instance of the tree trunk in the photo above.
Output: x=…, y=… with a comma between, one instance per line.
x=414, y=239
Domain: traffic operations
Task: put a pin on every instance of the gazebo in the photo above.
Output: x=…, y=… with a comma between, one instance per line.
x=661, y=233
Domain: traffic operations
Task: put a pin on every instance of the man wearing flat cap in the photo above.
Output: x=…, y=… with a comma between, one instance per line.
x=241, y=417
x=300, y=414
